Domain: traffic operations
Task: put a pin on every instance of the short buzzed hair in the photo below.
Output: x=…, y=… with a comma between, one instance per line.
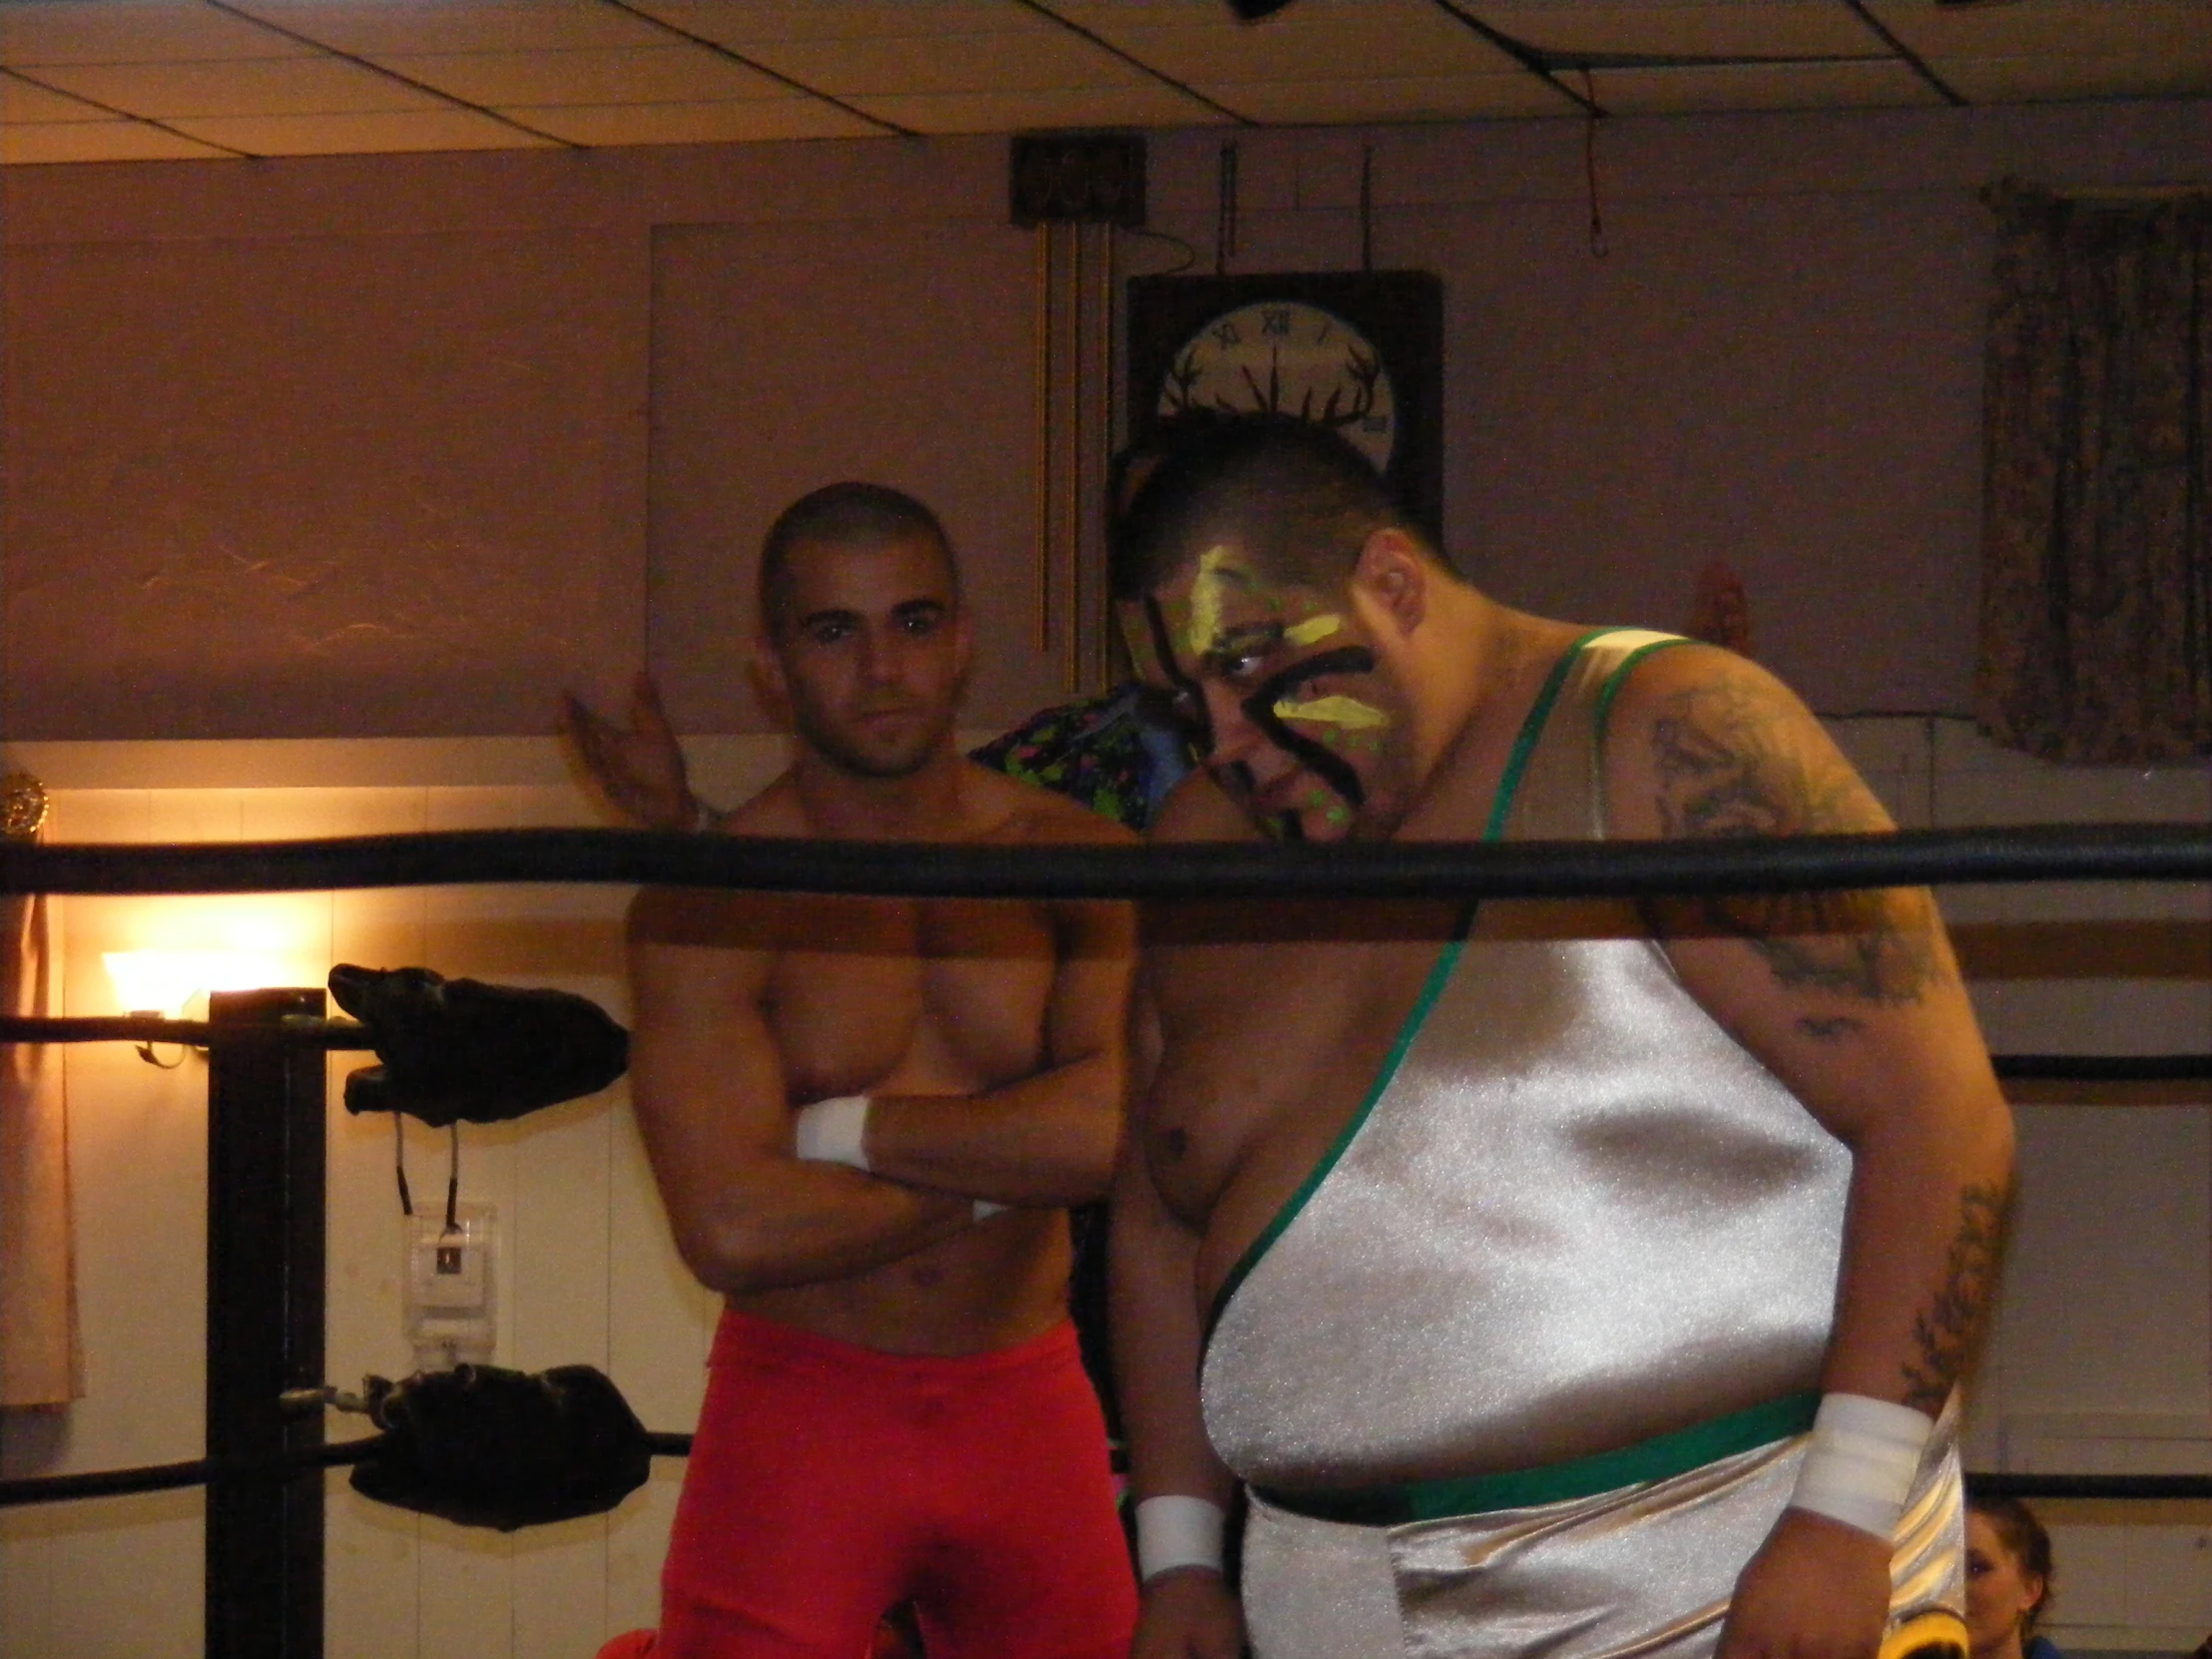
x=1300, y=499
x=848, y=514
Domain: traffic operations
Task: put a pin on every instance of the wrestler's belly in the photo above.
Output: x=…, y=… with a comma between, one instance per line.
x=1579, y=1216
x=988, y=1287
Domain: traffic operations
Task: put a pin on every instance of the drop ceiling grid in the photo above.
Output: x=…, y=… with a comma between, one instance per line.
x=1876, y=83
x=1201, y=42
x=238, y=87
x=941, y=63
x=762, y=21
x=353, y=133
x=1384, y=100
x=2055, y=29
x=605, y=72
x=95, y=140
x=132, y=31
x=25, y=103
x=373, y=28
x=1006, y=112
x=1775, y=28
x=665, y=74
x=728, y=121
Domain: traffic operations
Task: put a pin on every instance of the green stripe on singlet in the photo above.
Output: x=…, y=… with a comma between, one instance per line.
x=1615, y=680
x=1524, y=745
x=1658, y=1458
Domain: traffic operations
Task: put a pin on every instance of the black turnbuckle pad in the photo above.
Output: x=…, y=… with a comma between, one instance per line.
x=487, y=1446
x=461, y=1050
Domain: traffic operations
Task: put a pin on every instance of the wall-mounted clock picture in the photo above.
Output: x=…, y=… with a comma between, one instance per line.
x=1361, y=353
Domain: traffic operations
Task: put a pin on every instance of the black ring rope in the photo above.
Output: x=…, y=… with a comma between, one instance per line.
x=2140, y=1486
x=163, y=1478
x=1365, y=870
x=158, y=1477
x=335, y=1035
x=345, y=1035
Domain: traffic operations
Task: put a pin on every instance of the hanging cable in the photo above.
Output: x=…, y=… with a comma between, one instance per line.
x=399, y=1161
x=453, y=1183
x=1598, y=247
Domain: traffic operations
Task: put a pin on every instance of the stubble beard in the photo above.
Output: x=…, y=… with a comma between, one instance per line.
x=837, y=748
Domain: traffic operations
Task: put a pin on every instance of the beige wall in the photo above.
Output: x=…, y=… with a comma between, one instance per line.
x=401, y=446
x=391, y=446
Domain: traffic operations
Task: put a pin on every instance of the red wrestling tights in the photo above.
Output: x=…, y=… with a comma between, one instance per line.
x=828, y=1482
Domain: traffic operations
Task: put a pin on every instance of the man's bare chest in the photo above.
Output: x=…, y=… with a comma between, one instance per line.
x=922, y=997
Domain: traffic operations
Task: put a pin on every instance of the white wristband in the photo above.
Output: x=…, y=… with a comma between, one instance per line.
x=986, y=1208
x=1860, y=1466
x=1176, y=1533
x=833, y=1132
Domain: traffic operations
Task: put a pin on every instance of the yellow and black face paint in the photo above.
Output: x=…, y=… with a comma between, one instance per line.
x=1264, y=709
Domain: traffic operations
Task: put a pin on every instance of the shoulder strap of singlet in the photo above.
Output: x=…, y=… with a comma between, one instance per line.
x=1633, y=650
x=1502, y=807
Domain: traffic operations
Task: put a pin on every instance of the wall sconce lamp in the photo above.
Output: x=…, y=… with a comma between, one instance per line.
x=162, y=985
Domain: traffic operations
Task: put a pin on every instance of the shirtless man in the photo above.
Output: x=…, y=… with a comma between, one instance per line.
x=865, y=1118
x=1589, y=1279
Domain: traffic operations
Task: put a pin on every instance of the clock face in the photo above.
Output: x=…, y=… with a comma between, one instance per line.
x=1287, y=357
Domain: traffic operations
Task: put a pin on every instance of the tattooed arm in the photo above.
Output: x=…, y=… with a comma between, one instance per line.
x=1854, y=1000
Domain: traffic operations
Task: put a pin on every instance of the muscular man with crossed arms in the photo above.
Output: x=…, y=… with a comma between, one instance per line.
x=1583, y=1279
x=865, y=1117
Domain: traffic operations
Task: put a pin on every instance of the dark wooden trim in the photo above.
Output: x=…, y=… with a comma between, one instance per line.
x=265, y=1202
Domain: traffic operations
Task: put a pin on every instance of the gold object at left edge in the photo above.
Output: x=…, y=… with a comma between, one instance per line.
x=22, y=806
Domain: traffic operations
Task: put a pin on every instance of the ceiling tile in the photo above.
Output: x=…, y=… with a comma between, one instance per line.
x=2045, y=79
x=949, y=63
x=376, y=27
x=130, y=31
x=23, y=103
x=360, y=132
x=1885, y=84
x=1701, y=28
x=2052, y=28
x=243, y=87
x=1201, y=42
x=674, y=74
x=734, y=121
x=1009, y=112
x=743, y=23
x=96, y=140
x=1401, y=98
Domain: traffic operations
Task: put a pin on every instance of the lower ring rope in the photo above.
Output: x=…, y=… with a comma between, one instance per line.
x=158, y=1477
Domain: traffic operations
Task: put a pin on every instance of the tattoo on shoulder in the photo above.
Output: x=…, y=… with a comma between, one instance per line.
x=1727, y=767
x=1945, y=1331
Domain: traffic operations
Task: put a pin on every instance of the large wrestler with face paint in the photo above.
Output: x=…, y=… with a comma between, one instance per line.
x=1518, y=1266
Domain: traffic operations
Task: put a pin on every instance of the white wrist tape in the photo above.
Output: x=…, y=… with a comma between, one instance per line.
x=1859, y=1468
x=833, y=1132
x=1177, y=1532
x=986, y=1208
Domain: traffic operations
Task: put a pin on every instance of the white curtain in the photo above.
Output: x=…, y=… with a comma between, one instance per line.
x=41, y=1359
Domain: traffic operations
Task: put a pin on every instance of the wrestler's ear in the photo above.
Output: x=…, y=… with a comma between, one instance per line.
x=1391, y=578
x=764, y=667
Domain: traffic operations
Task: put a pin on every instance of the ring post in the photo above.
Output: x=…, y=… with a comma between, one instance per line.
x=266, y=1190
